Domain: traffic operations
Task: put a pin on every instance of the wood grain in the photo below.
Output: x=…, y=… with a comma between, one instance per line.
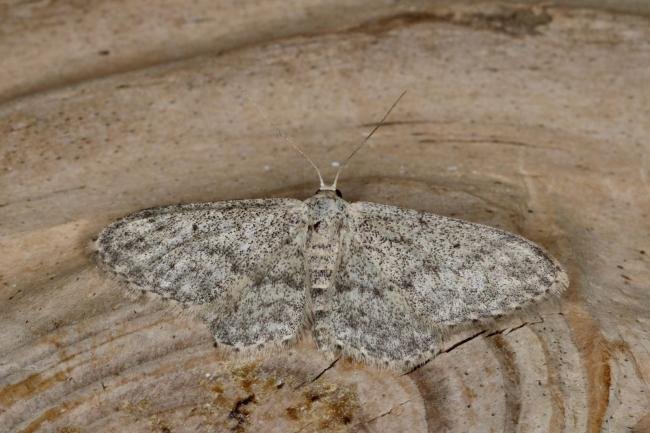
x=525, y=117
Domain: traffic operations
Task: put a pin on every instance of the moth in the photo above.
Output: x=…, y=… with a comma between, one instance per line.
x=375, y=282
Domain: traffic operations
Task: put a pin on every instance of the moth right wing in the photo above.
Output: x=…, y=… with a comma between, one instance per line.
x=405, y=276
x=242, y=259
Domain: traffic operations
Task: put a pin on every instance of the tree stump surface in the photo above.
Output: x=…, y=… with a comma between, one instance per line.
x=524, y=116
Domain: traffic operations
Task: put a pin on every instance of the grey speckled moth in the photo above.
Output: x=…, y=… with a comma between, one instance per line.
x=375, y=282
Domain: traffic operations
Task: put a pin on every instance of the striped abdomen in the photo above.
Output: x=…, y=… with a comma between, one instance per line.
x=322, y=259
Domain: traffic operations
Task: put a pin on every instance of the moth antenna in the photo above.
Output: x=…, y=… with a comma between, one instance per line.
x=365, y=140
x=287, y=139
x=299, y=150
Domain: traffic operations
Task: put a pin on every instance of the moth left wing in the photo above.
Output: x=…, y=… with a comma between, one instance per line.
x=406, y=275
x=242, y=260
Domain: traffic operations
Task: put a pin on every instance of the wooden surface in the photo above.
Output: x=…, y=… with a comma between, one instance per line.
x=526, y=117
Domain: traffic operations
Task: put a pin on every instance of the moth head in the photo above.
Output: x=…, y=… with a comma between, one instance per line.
x=330, y=192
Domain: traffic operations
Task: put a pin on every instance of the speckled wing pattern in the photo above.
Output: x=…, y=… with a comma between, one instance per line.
x=406, y=276
x=244, y=258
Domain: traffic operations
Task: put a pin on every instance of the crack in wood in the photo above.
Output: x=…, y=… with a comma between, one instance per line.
x=452, y=347
x=43, y=196
x=489, y=140
x=388, y=412
x=318, y=376
x=506, y=331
